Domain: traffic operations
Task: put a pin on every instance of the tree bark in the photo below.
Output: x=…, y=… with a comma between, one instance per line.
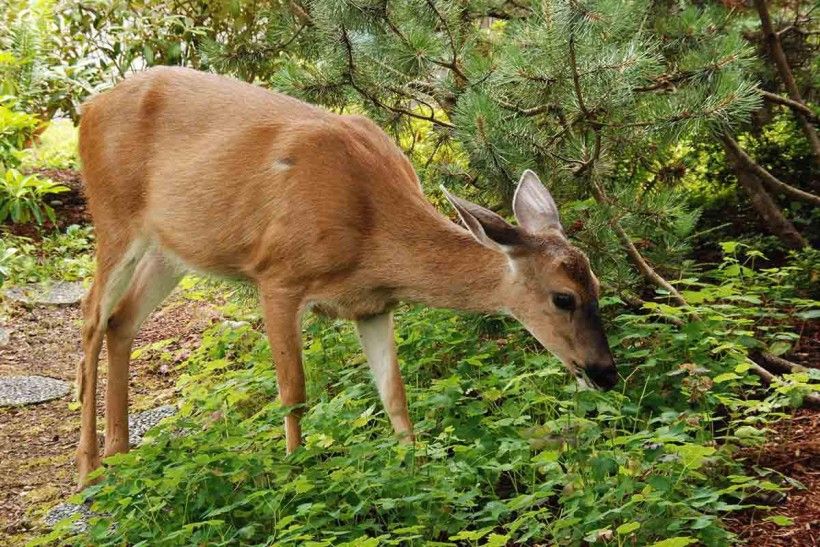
x=776, y=49
x=763, y=203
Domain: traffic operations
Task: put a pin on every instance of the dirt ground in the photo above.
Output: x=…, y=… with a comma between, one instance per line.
x=37, y=441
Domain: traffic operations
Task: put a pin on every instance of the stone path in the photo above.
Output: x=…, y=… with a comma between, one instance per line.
x=27, y=390
x=138, y=425
x=141, y=422
x=53, y=293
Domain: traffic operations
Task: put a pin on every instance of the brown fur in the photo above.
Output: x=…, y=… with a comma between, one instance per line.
x=319, y=210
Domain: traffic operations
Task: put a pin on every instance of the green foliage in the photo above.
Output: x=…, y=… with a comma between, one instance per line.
x=22, y=197
x=58, y=255
x=507, y=449
x=16, y=129
x=55, y=148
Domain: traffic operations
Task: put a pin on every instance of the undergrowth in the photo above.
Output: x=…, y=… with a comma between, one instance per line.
x=58, y=255
x=508, y=450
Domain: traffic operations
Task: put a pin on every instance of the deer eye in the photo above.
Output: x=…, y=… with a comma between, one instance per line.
x=563, y=301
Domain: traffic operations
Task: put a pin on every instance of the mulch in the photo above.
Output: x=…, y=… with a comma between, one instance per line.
x=793, y=449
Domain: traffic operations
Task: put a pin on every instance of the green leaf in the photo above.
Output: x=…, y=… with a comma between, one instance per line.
x=677, y=541
x=780, y=520
x=627, y=528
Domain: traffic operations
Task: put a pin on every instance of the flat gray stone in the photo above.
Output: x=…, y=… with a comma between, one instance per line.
x=28, y=390
x=141, y=422
x=52, y=293
x=5, y=336
x=66, y=510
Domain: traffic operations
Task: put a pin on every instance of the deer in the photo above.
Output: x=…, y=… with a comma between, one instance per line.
x=186, y=170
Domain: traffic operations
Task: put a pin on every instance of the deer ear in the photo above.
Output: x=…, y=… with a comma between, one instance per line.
x=487, y=228
x=533, y=205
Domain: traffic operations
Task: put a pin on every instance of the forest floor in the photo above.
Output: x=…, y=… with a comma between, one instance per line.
x=37, y=442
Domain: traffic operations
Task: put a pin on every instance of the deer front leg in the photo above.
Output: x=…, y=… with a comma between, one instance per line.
x=379, y=344
x=282, y=323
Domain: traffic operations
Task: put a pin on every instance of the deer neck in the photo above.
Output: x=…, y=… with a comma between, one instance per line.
x=443, y=266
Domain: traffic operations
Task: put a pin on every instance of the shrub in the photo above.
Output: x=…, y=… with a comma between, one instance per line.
x=22, y=197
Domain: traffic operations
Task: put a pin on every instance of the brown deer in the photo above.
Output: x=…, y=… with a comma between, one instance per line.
x=322, y=211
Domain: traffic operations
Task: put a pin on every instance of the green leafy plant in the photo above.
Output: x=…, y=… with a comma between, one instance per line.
x=16, y=128
x=508, y=449
x=57, y=255
x=22, y=197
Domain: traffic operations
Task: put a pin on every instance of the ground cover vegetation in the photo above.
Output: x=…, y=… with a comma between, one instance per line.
x=679, y=139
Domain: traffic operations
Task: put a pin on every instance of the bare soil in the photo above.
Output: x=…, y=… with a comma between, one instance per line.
x=37, y=441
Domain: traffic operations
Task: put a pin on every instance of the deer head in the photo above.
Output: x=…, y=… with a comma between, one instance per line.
x=549, y=286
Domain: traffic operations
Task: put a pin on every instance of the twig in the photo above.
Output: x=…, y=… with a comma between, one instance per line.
x=398, y=110
x=461, y=78
x=634, y=254
x=576, y=81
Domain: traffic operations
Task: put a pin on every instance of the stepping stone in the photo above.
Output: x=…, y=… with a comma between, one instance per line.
x=138, y=426
x=141, y=422
x=66, y=510
x=56, y=293
x=28, y=390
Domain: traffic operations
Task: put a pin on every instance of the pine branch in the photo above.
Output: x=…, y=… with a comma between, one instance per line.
x=767, y=178
x=351, y=67
x=634, y=254
x=576, y=80
x=783, y=68
x=600, y=194
x=794, y=105
x=461, y=78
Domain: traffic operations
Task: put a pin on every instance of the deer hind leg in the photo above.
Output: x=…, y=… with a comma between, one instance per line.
x=282, y=323
x=116, y=261
x=155, y=277
x=379, y=344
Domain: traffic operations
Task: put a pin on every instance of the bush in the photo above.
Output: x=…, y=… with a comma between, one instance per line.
x=58, y=255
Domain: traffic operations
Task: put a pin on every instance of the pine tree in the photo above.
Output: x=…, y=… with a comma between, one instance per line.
x=573, y=89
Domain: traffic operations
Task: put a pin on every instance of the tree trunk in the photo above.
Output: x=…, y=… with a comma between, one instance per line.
x=772, y=216
x=776, y=50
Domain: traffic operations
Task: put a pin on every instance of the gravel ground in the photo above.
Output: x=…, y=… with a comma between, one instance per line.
x=66, y=510
x=140, y=423
x=27, y=390
x=37, y=442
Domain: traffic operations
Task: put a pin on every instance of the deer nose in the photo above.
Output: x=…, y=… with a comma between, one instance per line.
x=603, y=375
